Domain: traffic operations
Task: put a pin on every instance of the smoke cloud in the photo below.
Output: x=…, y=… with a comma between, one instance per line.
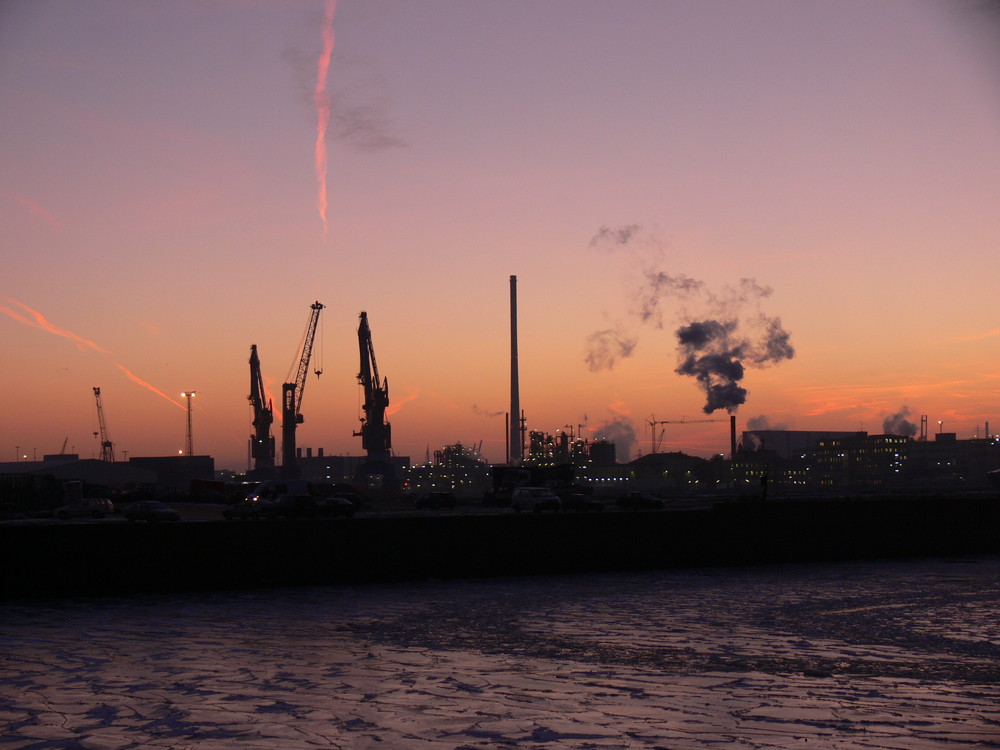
x=364, y=127
x=898, y=424
x=722, y=332
x=621, y=432
x=762, y=422
x=611, y=238
x=605, y=348
x=486, y=412
x=659, y=284
x=713, y=353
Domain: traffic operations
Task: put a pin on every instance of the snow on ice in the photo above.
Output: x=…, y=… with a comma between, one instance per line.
x=880, y=655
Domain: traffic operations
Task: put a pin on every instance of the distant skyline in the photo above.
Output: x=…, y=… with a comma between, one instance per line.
x=786, y=209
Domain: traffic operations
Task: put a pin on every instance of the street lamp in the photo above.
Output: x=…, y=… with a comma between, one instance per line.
x=940, y=426
x=189, y=442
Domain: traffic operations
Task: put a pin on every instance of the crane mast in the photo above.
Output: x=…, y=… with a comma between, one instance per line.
x=107, y=447
x=375, y=433
x=261, y=441
x=291, y=397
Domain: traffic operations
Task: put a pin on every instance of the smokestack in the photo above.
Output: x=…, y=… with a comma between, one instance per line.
x=514, y=453
x=732, y=437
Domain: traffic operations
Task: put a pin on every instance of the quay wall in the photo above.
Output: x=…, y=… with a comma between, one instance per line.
x=121, y=558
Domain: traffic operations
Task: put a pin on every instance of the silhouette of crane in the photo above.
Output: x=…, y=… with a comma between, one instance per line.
x=107, y=447
x=653, y=423
x=291, y=397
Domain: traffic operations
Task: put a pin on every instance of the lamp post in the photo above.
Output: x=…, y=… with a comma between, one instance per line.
x=189, y=443
x=940, y=426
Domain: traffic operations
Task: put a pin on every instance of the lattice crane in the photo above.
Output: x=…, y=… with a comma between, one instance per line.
x=107, y=447
x=291, y=396
x=653, y=423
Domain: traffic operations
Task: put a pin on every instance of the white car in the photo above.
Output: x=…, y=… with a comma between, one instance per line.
x=89, y=507
x=535, y=499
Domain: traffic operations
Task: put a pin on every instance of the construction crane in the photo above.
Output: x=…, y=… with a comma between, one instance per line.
x=261, y=441
x=653, y=423
x=291, y=397
x=107, y=447
x=375, y=432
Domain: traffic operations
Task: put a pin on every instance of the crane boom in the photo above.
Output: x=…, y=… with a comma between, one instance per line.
x=653, y=422
x=291, y=396
x=107, y=447
x=261, y=441
x=375, y=432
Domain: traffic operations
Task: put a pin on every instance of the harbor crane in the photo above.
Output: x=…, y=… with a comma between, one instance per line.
x=375, y=432
x=261, y=441
x=107, y=447
x=653, y=423
x=291, y=397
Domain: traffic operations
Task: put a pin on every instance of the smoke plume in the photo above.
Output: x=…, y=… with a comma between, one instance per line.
x=611, y=238
x=621, y=432
x=713, y=353
x=898, y=424
x=485, y=412
x=659, y=284
x=762, y=422
x=605, y=348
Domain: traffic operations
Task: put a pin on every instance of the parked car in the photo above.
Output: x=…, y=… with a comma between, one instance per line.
x=639, y=501
x=294, y=506
x=150, y=510
x=335, y=506
x=249, y=507
x=88, y=507
x=535, y=499
x=580, y=501
x=436, y=500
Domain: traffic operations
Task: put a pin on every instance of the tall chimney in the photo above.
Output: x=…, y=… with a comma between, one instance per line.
x=515, y=454
x=732, y=437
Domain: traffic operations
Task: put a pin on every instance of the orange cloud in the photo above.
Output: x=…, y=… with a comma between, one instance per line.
x=619, y=407
x=36, y=320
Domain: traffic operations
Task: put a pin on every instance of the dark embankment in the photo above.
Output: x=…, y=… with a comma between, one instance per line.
x=119, y=558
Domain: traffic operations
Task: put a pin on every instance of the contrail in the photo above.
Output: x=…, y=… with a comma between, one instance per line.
x=37, y=320
x=36, y=209
x=136, y=379
x=398, y=404
x=322, y=100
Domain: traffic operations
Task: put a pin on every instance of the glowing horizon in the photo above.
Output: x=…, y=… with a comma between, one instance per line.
x=699, y=207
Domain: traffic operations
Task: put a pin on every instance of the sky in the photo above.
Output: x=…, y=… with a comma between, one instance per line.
x=785, y=210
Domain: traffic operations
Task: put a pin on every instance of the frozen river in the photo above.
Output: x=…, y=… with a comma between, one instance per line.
x=897, y=654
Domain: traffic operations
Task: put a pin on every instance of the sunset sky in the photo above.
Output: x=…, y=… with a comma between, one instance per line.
x=825, y=170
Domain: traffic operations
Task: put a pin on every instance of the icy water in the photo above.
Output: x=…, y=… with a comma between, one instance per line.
x=901, y=654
